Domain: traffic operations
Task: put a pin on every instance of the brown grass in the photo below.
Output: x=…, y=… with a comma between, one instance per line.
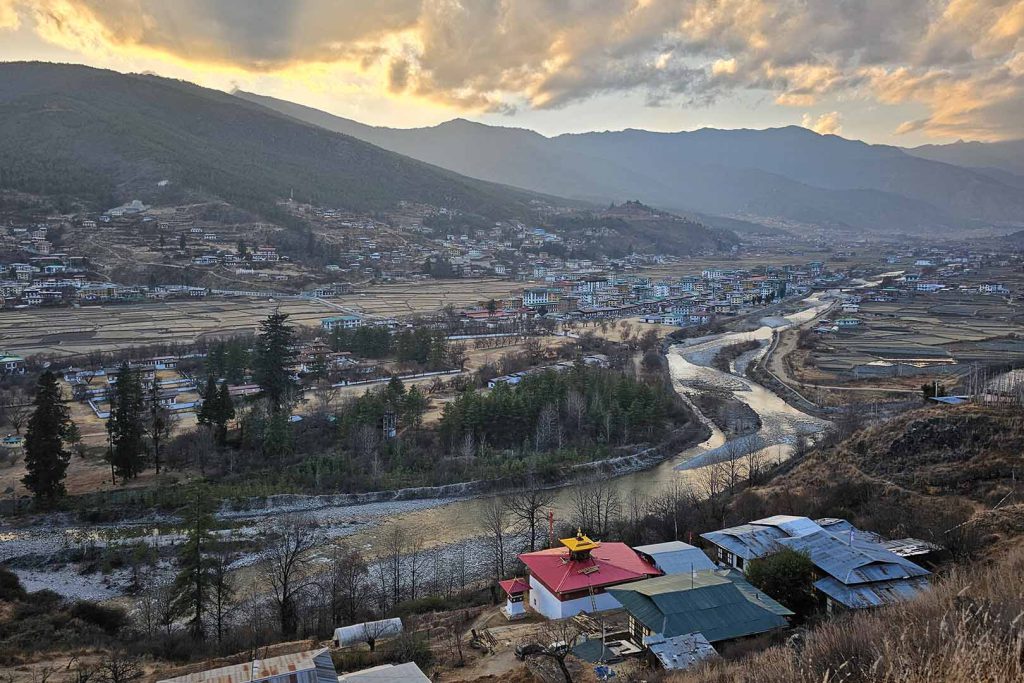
x=970, y=627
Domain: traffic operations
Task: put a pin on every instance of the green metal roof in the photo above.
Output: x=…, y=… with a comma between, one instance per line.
x=719, y=605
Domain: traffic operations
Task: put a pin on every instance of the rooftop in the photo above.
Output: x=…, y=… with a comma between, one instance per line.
x=261, y=669
x=608, y=564
x=721, y=605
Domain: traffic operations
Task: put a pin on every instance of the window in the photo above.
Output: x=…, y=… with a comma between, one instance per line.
x=739, y=563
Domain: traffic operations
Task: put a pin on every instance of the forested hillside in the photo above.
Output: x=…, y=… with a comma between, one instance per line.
x=77, y=132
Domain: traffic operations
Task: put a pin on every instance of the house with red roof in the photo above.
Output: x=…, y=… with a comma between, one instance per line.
x=575, y=577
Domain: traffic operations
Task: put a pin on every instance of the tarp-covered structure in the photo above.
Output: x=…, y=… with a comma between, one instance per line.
x=370, y=630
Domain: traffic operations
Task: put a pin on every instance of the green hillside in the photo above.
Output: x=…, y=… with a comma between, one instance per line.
x=103, y=137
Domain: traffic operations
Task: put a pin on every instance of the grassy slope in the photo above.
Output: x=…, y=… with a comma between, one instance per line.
x=935, y=473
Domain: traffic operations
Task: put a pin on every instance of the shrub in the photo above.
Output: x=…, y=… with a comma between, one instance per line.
x=110, y=619
x=11, y=589
x=786, y=576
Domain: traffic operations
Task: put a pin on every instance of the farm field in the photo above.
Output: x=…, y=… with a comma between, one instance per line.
x=63, y=332
x=945, y=331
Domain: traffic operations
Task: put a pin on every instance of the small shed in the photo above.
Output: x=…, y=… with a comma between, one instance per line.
x=366, y=632
x=515, y=594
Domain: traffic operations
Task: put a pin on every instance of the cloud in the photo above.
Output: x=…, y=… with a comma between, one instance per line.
x=829, y=123
x=958, y=59
x=9, y=19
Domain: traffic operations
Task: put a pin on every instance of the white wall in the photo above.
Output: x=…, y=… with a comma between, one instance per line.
x=542, y=601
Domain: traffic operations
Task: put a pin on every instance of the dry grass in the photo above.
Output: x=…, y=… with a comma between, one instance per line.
x=970, y=627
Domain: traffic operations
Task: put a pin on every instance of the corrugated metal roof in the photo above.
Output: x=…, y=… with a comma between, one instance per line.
x=676, y=557
x=793, y=526
x=872, y=594
x=910, y=547
x=260, y=669
x=748, y=541
x=720, y=605
x=682, y=652
x=859, y=562
x=386, y=673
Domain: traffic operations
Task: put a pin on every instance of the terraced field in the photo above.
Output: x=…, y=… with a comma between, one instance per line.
x=73, y=331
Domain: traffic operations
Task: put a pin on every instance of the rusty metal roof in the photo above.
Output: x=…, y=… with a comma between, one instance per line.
x=256, y=670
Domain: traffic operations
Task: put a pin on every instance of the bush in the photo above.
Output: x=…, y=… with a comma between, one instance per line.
x=110, y=619
x=786, y=576
x=11, y=589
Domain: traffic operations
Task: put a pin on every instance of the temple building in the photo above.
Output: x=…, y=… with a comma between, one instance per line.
x=574, y=578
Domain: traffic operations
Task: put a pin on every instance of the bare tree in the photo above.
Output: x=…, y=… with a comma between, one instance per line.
x=396, y=545
x=325, y=397
x=288, y=558
x=345, y=584
x=576, y=408
x=118, y=667
x=223, y=589
x=494, y=519
x=18, y=412
x=526, y=507
x=549, y=428
x=595, y=506
x=373, y=631
x=555, y=645
x=366, y=444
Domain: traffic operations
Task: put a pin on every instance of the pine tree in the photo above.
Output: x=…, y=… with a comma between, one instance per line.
x=272, y=366
x=207, y=414
x=225, y=412
x=126, y=425
x=413, y=406
x=193, y=587
x=159, y=424
x=46, y=457
x=276, y=436
x=236, y=361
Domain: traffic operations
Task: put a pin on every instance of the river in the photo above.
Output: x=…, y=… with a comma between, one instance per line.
x=451, y=522
x=689, y=364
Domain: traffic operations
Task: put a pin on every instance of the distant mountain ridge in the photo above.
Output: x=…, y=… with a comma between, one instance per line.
x=105, y=137
x=788, y=174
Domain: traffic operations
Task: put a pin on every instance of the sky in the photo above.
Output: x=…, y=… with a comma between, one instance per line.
x=902, y=72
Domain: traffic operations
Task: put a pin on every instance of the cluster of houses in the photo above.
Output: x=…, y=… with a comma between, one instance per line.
x=682, y=603
x=176, y=391
x=688, y=300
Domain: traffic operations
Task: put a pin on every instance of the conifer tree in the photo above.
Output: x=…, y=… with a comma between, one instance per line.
x=274, y=358
x=159, y=424
x=225, y=412
x=207, y=414
x=46, y=455
x=126, y=425
x=193, y=587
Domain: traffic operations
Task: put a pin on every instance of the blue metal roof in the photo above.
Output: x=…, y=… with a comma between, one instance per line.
x=853, y=563
x=872, y=594
x=676, y=557
x=748, y=541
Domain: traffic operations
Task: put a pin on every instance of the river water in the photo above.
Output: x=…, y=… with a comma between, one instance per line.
x=689, y=366
x=457, y=522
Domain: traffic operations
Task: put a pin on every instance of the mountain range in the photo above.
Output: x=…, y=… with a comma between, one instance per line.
x=789, y=175
x=103, y=137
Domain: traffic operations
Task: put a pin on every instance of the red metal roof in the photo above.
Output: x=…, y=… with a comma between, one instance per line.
x=514, y=586
x=615, y=563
